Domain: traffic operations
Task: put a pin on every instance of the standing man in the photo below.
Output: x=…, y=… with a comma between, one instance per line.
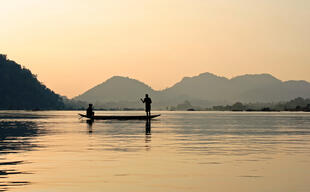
x=147, y=102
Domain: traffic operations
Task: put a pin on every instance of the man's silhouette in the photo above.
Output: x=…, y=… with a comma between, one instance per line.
x=147, y=102
x=89, y=111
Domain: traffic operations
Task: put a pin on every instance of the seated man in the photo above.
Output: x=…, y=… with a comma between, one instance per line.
x=89, y=111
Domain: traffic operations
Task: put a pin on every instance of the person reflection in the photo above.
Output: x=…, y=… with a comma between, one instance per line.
x=147, y=134
x=90, y=125
x=148, y=127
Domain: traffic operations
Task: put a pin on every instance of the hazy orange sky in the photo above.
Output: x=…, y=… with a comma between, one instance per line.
x=74, y=45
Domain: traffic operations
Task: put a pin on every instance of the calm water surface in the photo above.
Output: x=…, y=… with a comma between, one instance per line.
x=180, y=151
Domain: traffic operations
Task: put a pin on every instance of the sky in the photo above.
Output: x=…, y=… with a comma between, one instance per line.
x=73, y=45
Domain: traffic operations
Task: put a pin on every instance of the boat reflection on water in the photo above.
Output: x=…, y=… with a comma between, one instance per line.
x=90, y=123
x=147, y=130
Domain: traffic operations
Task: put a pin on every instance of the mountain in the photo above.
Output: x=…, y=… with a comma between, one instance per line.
x=266, y=88
x=203, y=90
x=245, y=88
x=198, y=87
x=20, y=89
x=117, y=89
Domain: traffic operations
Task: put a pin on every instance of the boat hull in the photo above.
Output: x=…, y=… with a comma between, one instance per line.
x=105, y=117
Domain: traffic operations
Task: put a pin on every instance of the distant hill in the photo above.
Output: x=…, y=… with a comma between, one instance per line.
x=203, y=90
x=20, y=89
x=245, y=88
x=117, y=90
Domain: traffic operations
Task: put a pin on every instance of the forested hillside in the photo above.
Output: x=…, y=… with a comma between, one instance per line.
x=20, y=89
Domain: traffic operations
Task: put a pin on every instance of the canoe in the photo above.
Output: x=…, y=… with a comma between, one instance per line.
x=124, y=117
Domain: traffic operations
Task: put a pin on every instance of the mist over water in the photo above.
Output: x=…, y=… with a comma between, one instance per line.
x=180, y=151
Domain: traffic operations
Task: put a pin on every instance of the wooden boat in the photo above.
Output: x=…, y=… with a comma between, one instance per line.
x=124, y=117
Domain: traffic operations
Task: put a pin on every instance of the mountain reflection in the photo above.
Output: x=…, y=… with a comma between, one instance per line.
x=15, y=137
